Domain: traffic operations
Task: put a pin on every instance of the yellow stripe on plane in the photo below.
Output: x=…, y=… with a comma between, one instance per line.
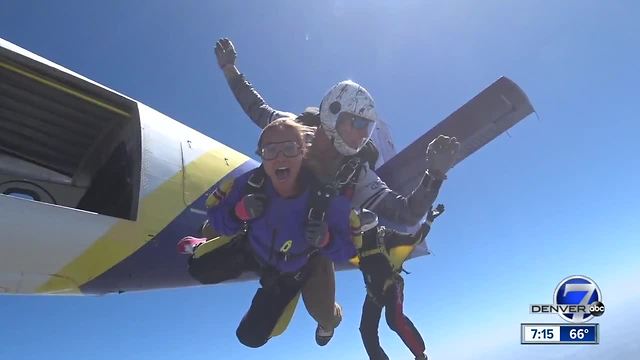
x=158, y=209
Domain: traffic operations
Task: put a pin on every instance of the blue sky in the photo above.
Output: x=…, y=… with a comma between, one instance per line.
x=557, y=197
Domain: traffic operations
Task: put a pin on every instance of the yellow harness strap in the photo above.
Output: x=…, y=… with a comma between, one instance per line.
x=396, y=255
x=285, y=318
x=372, y=252
x=399, y=254
x=211, y=245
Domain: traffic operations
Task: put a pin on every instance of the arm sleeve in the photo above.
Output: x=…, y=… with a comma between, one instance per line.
x=252, y=103
x=221, y=204
x=373, y=194
x=344, y=228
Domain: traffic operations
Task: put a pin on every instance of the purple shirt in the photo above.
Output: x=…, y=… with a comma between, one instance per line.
x=282, y=222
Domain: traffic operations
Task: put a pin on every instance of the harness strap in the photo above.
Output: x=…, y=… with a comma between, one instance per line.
x=255, y=185
x=347, y=170
x=319, y=202
x=310, y=251
x=373, y=242
x=371, y=252
x=320, y=196
x=270, y=275
x=256, y=181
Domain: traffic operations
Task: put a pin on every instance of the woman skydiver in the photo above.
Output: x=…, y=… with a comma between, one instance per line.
x=270, y=205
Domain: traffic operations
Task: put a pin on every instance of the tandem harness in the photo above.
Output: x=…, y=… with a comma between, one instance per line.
x=320, y=194
x=383, y=253
x=319, y=197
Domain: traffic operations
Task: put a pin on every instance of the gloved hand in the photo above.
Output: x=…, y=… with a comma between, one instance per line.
x=434, y=213
x=441, y=153
x=250, y=206
x=317, y=233
x=225, y=53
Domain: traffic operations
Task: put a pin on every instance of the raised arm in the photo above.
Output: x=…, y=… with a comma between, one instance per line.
x=373, y=194
x=249, y=99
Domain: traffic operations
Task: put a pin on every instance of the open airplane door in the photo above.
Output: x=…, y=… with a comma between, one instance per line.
x=69, y=169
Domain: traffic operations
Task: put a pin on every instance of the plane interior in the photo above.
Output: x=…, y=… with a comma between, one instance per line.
x=69, y=142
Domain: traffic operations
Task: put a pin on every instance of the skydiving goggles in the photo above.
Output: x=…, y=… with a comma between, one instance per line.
x=289, y=149
x=357, y=122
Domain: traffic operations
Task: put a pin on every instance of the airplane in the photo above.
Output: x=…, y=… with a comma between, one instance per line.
x=96, y=188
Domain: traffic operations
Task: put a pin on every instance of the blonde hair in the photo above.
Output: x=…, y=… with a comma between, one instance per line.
x=304, y=133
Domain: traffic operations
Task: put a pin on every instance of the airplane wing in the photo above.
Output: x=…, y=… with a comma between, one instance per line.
x=490, y=113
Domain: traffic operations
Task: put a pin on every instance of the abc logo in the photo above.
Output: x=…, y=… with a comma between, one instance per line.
x=597, y=308
x=579, y=290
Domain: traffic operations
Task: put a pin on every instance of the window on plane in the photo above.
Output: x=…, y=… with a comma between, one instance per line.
x=26, y=190
x=23, y=195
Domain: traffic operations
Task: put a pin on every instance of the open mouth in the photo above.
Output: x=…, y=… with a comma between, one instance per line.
x=282, y=173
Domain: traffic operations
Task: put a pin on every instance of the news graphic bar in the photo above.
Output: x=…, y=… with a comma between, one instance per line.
x=559, y=333
x=583, y=334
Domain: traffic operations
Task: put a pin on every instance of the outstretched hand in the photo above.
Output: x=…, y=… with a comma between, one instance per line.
x=441, y=154
x=225, y=53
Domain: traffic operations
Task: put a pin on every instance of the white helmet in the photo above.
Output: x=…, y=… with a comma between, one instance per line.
x=346, y=98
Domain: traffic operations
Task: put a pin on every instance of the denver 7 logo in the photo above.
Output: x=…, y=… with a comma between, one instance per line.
x=577, y=290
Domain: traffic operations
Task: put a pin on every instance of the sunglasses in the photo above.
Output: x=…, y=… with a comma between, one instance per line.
x=287, y=148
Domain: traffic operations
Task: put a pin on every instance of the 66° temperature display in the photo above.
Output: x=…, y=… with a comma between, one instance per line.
x=559, y=334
